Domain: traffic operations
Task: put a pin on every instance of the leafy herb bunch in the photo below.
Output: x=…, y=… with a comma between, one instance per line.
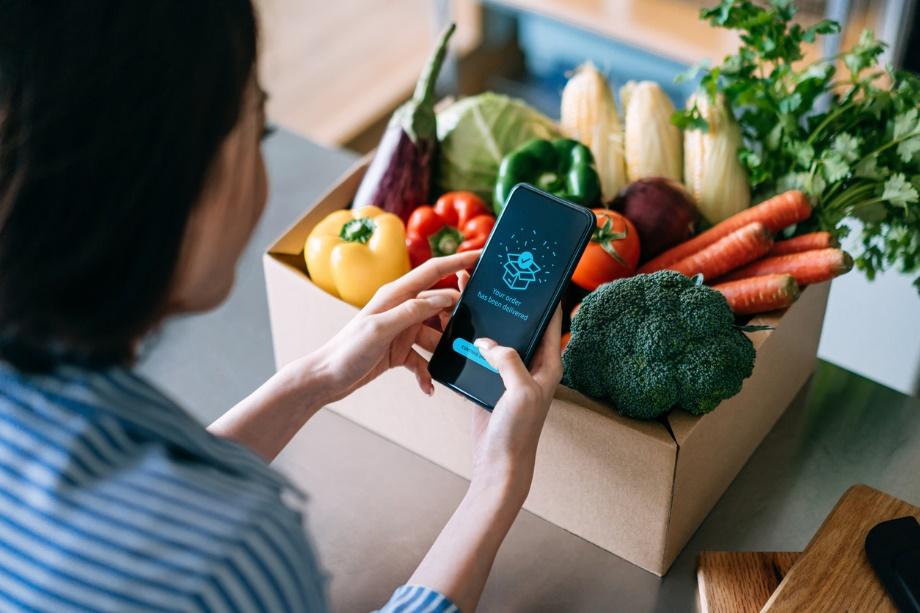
x=851, y=141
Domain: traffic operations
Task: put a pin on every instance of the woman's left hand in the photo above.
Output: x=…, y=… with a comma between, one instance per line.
x=380, y=337
x=383, y=334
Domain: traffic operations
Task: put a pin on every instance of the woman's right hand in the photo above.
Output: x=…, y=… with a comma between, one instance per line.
x=504, y=454
x=505, y=440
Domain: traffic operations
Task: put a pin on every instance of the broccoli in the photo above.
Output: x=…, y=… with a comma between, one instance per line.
x=655, y=341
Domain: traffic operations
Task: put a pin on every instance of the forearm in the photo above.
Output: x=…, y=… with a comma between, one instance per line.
x=266, y=420
x=459, y=561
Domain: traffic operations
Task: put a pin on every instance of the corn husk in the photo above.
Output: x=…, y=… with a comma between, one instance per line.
x=589, y=115
x=653, y=143
x=712, y=172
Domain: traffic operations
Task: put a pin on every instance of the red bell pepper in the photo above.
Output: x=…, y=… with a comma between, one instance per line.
x=458, y=221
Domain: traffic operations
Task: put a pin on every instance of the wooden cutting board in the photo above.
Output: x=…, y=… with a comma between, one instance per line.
x=833, y=573
x=740, y=581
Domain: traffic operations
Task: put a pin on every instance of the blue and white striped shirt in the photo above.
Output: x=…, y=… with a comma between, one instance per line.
x=112, y=498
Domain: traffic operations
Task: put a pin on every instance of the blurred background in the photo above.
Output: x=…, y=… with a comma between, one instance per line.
x=336, y=70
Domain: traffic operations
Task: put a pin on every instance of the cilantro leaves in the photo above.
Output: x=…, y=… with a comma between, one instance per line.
x=851, y=140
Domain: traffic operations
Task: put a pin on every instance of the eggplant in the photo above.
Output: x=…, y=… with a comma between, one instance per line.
x=399, y=177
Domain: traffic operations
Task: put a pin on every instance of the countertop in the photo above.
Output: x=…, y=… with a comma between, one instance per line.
x=375, y=508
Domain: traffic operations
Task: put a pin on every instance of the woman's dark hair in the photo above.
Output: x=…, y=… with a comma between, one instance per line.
x=111, y=116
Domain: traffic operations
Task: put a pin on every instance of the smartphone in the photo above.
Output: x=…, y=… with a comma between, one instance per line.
x=513, y=291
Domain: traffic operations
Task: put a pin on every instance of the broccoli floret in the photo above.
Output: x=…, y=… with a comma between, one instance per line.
x=652, y=342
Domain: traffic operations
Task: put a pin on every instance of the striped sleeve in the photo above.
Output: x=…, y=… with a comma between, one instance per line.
x=418, y=599
x=99, y=512
x=252, y=583
x=268, y=560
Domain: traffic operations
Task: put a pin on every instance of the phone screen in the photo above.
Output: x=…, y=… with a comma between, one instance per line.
x=513, y=291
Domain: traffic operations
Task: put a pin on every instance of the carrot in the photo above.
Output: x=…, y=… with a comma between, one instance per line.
x=806, y=266
x=758, y=294
x=564, y=341
x=736, y=249
x=776, y=213
x=805, y=242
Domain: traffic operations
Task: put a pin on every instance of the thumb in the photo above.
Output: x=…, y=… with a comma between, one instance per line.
x=506, y=361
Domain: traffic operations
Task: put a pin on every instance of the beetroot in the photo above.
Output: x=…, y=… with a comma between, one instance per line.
x=662, y=211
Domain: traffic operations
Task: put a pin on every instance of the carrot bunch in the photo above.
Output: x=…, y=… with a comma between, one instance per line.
x=754, y=273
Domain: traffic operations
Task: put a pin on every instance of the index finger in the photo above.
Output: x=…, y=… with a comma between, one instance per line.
x=429, y=273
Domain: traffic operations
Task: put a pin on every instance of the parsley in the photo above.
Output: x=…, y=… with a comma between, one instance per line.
x=850, y=139
x=899, y=192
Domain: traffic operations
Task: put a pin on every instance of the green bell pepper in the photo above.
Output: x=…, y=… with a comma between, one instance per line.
x=562, y=167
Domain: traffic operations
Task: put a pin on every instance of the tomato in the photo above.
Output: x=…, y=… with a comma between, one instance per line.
x=612, y=253
x=574, y=310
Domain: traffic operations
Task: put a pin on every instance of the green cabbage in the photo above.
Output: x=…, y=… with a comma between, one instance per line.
x=476, y=133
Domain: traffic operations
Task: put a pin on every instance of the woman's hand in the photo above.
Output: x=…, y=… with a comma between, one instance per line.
x=380, y=337
x=505, y=440
x=383, y=334
x=504, y=453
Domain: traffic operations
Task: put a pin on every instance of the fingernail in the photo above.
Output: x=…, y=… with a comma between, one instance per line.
x=484, y=343
x=440, y=301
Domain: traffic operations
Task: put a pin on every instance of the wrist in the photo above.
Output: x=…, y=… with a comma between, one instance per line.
x=310, y=379
x=493, y=504
x=501, y=486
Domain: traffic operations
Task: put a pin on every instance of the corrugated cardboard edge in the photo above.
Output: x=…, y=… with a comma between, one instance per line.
x=594, y=441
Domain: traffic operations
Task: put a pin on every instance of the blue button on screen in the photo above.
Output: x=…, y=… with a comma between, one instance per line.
x=471, y=352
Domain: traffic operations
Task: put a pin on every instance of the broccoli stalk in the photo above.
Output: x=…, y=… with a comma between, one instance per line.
x=651, y=342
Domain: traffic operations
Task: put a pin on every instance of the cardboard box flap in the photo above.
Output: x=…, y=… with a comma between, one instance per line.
x=652, y=429
x=767, y=319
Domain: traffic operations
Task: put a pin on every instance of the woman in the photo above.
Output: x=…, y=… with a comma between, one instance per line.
x=130, y=181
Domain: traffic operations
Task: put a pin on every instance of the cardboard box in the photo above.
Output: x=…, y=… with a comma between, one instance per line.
x=637, y=489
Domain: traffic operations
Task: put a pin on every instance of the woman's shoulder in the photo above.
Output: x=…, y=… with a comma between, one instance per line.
x=111, y=434
x=106, y=483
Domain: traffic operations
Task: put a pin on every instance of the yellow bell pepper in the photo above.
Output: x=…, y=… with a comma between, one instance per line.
x=351, y=253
